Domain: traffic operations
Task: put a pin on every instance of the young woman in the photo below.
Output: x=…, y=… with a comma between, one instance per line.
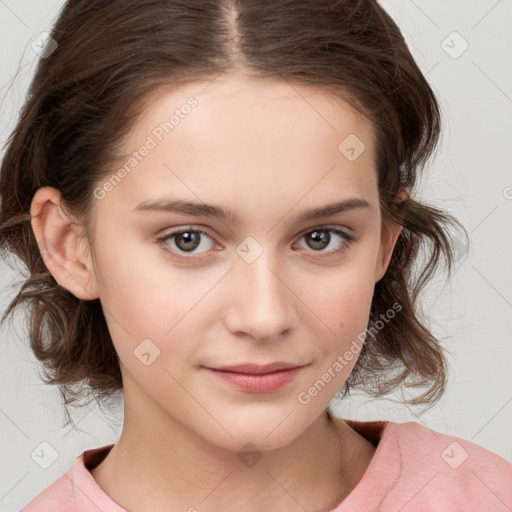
x=215, y=204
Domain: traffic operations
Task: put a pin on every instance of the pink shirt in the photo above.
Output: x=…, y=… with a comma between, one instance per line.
x=414, y=469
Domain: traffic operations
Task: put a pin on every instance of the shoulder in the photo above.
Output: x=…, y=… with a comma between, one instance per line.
x=419, y=442
x=450, y=471
x=56, y=497
x=76, y=489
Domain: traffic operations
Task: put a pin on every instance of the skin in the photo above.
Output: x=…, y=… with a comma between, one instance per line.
x=268, y=151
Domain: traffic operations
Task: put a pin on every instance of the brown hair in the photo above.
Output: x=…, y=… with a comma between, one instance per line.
x=86, y=95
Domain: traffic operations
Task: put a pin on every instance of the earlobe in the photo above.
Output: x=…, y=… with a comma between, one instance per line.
x=61, y=244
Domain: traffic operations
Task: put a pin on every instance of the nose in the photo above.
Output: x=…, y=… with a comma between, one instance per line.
x=262, y=304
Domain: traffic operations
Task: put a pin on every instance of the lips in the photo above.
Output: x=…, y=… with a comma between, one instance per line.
x=255, y=378
x=256, y=369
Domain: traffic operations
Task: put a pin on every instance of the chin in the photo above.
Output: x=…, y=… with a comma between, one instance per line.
x=266, y=431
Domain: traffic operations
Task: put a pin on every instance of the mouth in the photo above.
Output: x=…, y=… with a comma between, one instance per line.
x=257, y=378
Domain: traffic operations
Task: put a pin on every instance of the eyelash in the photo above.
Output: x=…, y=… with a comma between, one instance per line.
x=348, y=239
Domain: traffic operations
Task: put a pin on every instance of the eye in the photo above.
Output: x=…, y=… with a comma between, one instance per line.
x=186, y=240
x=321, y=237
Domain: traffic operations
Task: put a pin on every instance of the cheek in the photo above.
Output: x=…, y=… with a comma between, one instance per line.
x=149, y=299
x=344, y=308
x=131, y=292
x=345, y=300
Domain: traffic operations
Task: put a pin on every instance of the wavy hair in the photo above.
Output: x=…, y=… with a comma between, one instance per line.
x=85, y=97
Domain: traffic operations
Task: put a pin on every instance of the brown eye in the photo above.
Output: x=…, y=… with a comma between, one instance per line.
x=185, y=241
x=319, y=239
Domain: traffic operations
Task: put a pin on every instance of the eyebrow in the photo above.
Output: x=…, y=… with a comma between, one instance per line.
x=229, y=216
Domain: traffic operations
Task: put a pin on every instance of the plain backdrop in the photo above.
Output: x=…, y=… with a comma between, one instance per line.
x=464, y=48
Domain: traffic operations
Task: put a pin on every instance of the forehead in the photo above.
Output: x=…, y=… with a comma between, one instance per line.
x=264, y=140
x=226, y=101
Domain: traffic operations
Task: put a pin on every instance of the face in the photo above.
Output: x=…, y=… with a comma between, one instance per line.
x=186, y=292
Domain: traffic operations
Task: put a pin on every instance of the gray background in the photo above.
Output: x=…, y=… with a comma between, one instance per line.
x=471, y=177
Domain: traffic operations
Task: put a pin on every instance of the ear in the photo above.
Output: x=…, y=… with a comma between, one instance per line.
x=389, y=235
x=63, y=246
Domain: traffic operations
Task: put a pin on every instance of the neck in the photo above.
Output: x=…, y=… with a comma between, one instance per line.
x=176, y=469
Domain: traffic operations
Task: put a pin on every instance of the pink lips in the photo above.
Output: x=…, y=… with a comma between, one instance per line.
x=257, y=378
